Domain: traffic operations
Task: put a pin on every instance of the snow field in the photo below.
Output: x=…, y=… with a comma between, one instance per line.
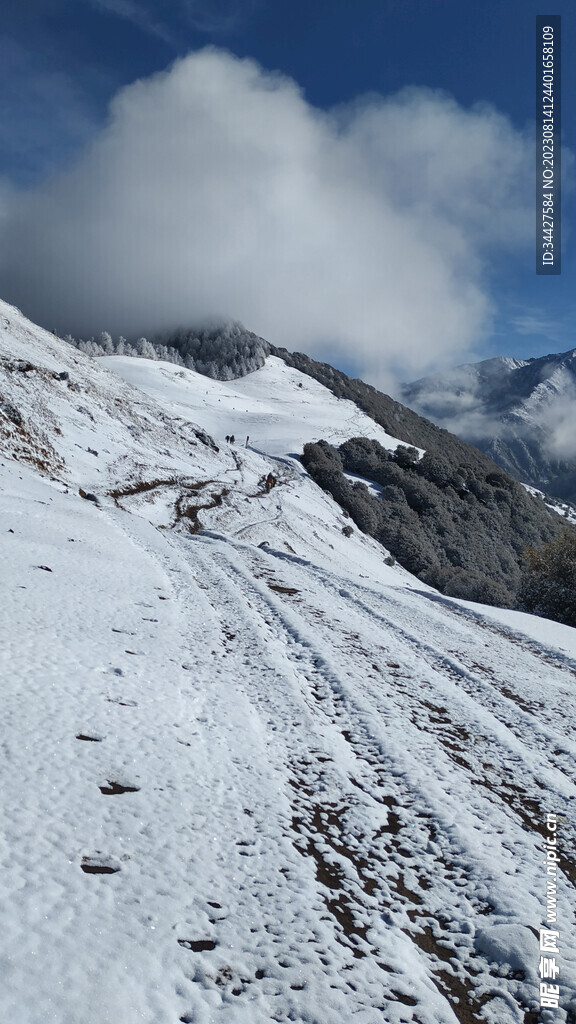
x=253, y=773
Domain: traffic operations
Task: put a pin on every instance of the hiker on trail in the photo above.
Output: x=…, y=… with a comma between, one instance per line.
x=270, y=482
x=247, y=439
x=232, y=439
x=228, y=437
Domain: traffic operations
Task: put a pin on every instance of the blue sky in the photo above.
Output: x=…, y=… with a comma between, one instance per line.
x=470, y=64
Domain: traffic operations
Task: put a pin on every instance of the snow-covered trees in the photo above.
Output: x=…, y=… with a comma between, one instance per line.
x=223, y=352
x=145, y=350
x=548, y=585
x=105, y=345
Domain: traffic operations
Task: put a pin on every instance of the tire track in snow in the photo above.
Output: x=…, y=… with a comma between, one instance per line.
x=487, y=690
x=268, y=911
x=349, y=898
x=360, y=869
x=358, y=737
x=484, y=685
x=490, y=689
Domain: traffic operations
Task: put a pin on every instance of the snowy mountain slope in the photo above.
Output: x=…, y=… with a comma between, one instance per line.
x=251, y=783
x=278, y=407
x=520, y=412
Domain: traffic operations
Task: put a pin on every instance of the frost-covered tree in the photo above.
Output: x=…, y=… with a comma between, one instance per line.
x=145, y=350
x=106, y=344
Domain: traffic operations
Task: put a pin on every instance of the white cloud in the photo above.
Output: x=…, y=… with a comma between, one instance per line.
x=215, y=189
x=556, y=418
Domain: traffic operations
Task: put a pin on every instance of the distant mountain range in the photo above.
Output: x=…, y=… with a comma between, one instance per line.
x=522, y=413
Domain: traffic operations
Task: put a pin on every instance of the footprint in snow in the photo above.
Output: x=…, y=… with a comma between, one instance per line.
x=99, y=866
x=116, y=788
x=197, y=945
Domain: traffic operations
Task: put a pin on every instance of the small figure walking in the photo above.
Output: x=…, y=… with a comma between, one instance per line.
x=232, y=439
x=228, y=437
x=247, y=439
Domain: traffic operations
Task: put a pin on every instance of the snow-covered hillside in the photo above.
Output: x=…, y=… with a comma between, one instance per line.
x=251, y=772
x=278, y=407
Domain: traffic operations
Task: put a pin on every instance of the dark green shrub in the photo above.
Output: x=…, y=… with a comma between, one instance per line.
x=548, y=584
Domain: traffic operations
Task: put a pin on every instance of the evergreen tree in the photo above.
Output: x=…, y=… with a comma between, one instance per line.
x=548, y=584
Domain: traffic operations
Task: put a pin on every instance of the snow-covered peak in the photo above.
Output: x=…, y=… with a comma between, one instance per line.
x=520, y=412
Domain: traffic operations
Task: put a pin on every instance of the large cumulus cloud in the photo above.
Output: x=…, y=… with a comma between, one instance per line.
x=216, y=190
